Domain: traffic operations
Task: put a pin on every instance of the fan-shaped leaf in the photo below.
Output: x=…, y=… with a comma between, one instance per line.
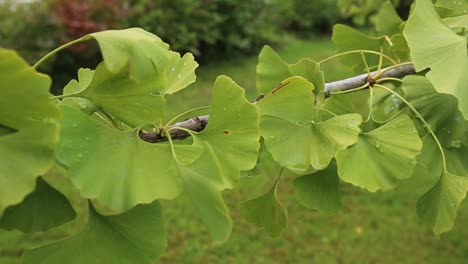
x=137, y=236
x=144, y=53
x=271, y=70
x=266, y=211
x=230, y=144
x=279, y=102
x=387, y=21
x=347, y=38
x=389, y=153
x=180, y=72
x=310, y=70
x=319, y=191
x=135, y=103
x=313, y=143
x=117, y=168
x=433, y=45
x=29, y=136
x=45, y=216
x=439, y=206
x=439, y=110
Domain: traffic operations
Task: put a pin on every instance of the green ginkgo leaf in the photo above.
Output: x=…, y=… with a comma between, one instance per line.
x=29, y=137
x=310, y=70
x=132, y=102
x=313, y=143
x=428, y=169
x=279, y=102
x=142, y=52
x=206, y=197
x=439, y=110
x=346, y=38
x=319, y=191
x=347, y=103
x=439, y=206
x=231, y=139
x=180, y=72
x=451, y=7
x=230, y=144
x=85, y=78
x=116, y=168
x=271, y=70
x=266, y=211
x=387, y=21
x=137, y=236
x=457, y=21
x=434, y=45
x=53, y=212
x=389, y=151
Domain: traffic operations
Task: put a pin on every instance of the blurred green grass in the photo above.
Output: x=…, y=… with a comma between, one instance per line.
x=372, y=227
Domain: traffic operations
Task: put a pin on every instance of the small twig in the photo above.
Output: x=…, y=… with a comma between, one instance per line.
x=196, y=124
x=199, y=123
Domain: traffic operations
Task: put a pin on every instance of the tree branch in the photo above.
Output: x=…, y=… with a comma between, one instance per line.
x=199, y=123
x=360, y=80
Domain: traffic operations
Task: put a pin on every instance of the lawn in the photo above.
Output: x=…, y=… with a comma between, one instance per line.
x=372, y=227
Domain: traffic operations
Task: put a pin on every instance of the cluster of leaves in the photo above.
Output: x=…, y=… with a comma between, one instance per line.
x=77, y=177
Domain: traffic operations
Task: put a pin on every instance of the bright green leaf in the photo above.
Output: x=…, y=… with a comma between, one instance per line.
x=271, y=70
x=439, y=206
x=389, y=153
x=433, y=45
x=387, y=21
x=279, y=102
x=319, y=191
x=452, y=7
x=180, y=72
x=137, y=236
x=231, y=139
x=134, y=103
x=310, y=70
x=347, y=39
x=27, y=144
x=230, y=144
x=116, y=168
x=53, y=212
x=85, y=78
x=266, y=211
x=144, y=53
x=439, y=110
x=313, y=143
x=458, y=21
x=348, y=103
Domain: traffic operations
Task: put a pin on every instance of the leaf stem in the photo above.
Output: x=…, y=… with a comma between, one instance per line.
x=362, y=87
x=388, y=79
x=184, y=113
x=358, y=51
x=371, y=103
x=65, y=95
x=376, y=76
x=421, y=118
x=55, y=51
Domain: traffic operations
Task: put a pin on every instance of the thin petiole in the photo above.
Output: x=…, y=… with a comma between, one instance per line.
x=184, y=113
x=385, y=79
x=421, y=118
x=390, y=68
x=365, y=64
x=371, y=103
x=108, y=122
x=55, y=51
x=65, y=95
x=351, y=90
x=358, y=51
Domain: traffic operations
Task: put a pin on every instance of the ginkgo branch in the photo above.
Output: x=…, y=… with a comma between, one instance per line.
x=199, y=123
